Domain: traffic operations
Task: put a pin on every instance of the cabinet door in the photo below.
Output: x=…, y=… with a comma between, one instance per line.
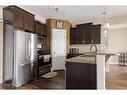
x=87, y=30
x=7, y=15
x=28, y=21
x=80, y=76
x=80, y=35
x=18, y=18
x=37, y=28
x=43, y=30
x=40, y=29
x=84, y=33
x=96, y=34
x=73, y=36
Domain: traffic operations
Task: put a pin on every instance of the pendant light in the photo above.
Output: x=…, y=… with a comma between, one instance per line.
x=106, y=27
x=106, y=24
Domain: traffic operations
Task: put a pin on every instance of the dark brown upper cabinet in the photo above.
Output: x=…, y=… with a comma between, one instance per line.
x=19, y=18
x=73, y=36
x=40, y=29
x=84, y=31
x=96, y=34
x=28, y=21
x=14, y=15
x=80, y=35
x=44, y=30
x=85, y=34
x=7, y=15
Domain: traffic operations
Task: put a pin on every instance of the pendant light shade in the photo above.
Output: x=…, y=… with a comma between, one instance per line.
x=106, y=25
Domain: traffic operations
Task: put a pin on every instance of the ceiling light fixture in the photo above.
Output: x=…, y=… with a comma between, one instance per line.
x=55, y=12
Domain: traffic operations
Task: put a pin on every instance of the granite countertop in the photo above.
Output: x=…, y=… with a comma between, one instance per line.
x=80, y=59
x=89, y=57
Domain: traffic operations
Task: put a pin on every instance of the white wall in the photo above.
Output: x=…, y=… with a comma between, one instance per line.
x=84, y=48
x=117, y=42
x=1, y=51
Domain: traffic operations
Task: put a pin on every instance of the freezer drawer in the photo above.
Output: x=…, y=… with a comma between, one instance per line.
x=23, y=74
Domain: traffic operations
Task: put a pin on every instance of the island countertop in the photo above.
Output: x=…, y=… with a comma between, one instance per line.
x=81, y=59
x=89, y=57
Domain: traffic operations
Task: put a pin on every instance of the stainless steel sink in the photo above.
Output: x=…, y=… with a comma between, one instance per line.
x=91, y=55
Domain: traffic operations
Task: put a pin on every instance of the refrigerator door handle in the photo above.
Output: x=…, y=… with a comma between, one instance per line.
x=29, y=47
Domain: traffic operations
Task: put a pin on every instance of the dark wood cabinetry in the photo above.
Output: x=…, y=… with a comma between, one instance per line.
x=80, y=35
x=7, y=15
x=85, y=34
x=84, y=31
x=44, y=30
x=81, y=76
x=73, y=36
x=40, y=29
x=96, y=34
x=28, y=21
x=19, y=18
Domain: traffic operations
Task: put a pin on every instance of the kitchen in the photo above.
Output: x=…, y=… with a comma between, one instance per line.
x=48, y=45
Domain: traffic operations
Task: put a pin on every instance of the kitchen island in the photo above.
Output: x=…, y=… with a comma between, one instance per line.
x=81, y=72
x=87, y=71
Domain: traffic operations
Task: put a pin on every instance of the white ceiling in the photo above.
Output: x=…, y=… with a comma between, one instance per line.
x=77, y=14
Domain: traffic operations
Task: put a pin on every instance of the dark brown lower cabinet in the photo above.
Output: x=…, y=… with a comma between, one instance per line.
x=80, y=76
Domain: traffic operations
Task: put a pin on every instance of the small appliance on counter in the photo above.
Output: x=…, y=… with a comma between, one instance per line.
x=74, y=50
x=73, y=53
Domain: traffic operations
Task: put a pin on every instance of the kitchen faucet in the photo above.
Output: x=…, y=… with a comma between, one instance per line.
x=94, y=46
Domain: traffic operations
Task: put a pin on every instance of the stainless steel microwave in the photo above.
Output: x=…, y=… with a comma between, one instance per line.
x=41, y=40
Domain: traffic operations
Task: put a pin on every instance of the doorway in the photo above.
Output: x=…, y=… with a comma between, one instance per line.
x=58, y=49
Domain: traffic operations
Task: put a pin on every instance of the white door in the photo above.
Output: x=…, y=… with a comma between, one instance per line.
x=58, y=49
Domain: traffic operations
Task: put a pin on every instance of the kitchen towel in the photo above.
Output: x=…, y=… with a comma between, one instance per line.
x=47, y=58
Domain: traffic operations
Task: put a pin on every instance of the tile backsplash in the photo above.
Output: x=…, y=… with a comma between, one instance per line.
x=86, y=48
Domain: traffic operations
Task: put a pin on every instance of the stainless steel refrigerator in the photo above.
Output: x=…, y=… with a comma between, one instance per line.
x=23, y=49
x=25, y=54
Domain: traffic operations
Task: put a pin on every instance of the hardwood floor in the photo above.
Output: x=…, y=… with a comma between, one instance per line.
x=117, y=77
x=57, y=82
